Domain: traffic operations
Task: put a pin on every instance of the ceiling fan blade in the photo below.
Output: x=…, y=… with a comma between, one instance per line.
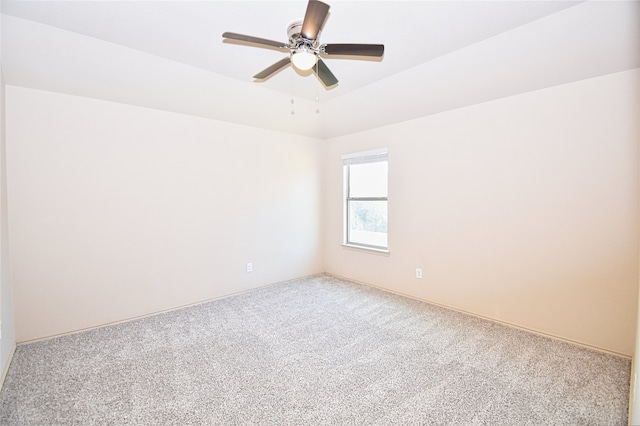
x=324, y=74
x=313, y=19
x=256, y=40
x=375, y=50
x=269, y=71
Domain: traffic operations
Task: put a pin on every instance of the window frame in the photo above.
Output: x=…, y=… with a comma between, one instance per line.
x=373, y=156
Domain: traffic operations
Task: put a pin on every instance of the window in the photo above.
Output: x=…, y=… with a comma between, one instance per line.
x=365, y=195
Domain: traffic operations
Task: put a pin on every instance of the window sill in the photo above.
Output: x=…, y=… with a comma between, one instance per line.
x=371, y=250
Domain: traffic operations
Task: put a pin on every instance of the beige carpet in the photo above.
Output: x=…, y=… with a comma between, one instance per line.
x=312, y=351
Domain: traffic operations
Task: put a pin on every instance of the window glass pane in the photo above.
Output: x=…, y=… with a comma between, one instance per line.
x=368, y=180
x=367, y=223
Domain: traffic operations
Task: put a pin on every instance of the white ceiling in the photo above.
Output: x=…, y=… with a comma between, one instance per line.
x=439, y=55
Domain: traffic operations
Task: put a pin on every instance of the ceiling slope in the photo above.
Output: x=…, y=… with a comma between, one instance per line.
x=56, y=60
x=439, y=55
x=585, y=41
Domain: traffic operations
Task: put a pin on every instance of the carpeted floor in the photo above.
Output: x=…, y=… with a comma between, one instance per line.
x=318, y=350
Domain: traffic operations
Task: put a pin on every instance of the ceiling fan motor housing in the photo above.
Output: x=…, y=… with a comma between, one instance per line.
x=296, y=40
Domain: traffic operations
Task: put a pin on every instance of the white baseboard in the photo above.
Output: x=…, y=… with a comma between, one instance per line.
x=5, y=368
x=154, y=313
x=508, y=324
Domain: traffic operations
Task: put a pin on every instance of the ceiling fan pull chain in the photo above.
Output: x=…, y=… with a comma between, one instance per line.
x=317, y=93
x=293, y=91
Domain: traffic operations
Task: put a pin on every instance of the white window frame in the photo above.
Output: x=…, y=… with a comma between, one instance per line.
x=372, y=156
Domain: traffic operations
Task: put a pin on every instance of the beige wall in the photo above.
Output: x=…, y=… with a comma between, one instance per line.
x=634, y=395
x=7, y=340
x=120, y=211
x=524, y=210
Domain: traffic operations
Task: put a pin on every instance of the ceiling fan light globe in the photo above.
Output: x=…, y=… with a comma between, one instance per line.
x=303, y=60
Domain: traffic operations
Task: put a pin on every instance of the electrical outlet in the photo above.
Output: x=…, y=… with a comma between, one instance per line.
x=249, y=267
x=418, y=273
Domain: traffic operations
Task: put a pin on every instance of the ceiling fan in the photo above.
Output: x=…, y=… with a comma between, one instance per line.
x=305, y=48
